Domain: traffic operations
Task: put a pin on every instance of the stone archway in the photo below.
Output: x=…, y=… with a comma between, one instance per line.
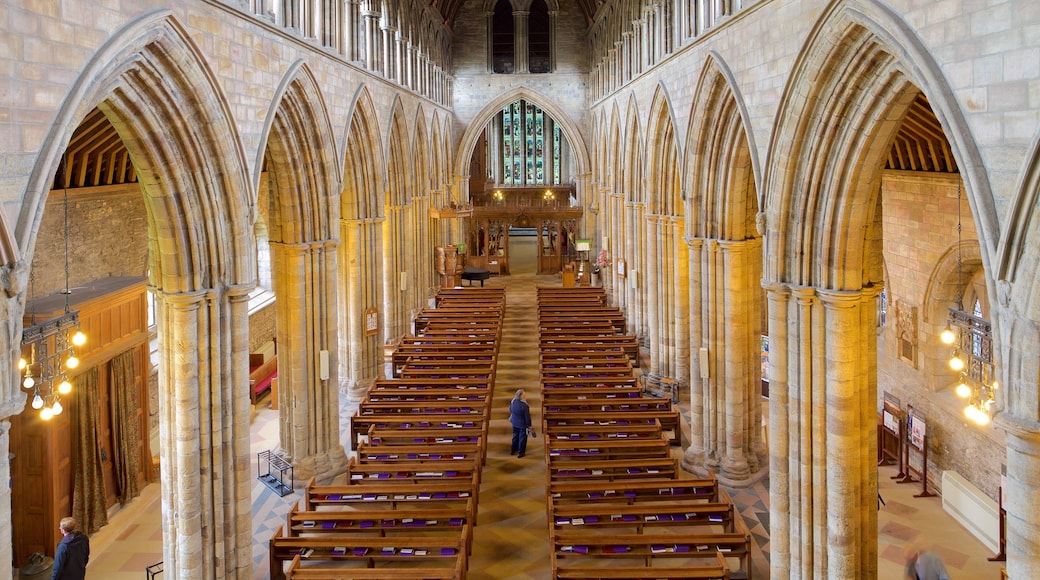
x=847, y=96
x=157, y=92
x=305, y=183
x=725, y=284
x=361, y=248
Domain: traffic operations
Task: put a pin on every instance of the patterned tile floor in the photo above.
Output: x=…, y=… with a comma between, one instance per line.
x=511, y=540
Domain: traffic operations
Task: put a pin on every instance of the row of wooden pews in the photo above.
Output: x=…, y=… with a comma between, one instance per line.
x=408, y=503
x=618, y=505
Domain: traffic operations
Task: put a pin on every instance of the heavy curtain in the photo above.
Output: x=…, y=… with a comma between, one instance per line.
x=88, y=491
x=126, y=433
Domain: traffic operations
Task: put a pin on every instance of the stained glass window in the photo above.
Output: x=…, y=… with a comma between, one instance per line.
x=525, y=158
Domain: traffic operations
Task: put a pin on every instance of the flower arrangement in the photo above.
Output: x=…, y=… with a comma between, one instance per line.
x=601, y=261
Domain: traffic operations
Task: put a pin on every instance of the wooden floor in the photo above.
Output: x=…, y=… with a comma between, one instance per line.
x=511, y=537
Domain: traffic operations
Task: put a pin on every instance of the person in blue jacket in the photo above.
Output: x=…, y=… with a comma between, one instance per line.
x=70, y=561
x=520, y=418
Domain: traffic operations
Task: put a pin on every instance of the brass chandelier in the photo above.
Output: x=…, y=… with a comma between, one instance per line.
x=971, y=338
x=52, y=343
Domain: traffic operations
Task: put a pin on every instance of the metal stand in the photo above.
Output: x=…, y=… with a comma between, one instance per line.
x=154, y=570
x=275, y=476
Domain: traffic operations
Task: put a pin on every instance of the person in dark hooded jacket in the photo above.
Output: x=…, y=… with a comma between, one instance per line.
x=70, y=561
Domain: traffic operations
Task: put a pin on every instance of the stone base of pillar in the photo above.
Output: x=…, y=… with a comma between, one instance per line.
x=354, y=391
x=695, y=462
x=322, y=466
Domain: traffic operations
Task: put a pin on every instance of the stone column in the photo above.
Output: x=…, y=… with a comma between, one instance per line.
x=680, y=295
x=780, y=462
x=204, y=434
x=308, y=404
x=6, y=541
x=694, y=455
x=1021, y=497
x=521, y=58
x=831, y=488
x=737, y=324
x=373, y=46
x=651, y=277
x=361, y=273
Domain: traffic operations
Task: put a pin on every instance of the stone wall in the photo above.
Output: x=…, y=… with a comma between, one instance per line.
x=475, y=87
x=108, y=236
x=919, y=228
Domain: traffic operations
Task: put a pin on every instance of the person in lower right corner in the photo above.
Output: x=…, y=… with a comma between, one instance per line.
x=922, y=564
x=520, y=419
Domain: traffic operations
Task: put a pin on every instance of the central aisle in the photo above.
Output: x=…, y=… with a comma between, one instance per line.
x=511, y=538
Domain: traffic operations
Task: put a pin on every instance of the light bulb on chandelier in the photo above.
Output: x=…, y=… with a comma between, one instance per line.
x=963, y=390
x=947, y=336
x=956, y=363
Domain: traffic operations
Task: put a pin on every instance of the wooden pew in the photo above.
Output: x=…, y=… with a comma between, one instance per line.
x=389, y=436
x=561, y=404
x=647, y=430
x=412, y=473
x=442, y=494
x=595, y=382
x=717, y=570
x=420, y=521
x=636, y=490
x=612, y=469
x=429, y=395
x=591, y=393
x=646, y=548
x=575, y=372
x=626, y=342
x=418, y=372
x=297, y=571
x=562, y=451
x=360, y=424
x=645, y=517
x=451, y=551
x=386, y=454
x=669, y=419
x=375, y=408
x=402, y=385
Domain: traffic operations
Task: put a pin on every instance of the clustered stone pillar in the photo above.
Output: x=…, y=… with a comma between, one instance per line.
x=306, y=285
x=726, y=415
x=823, y=511
x=204, y=430
x=1021, y=498
x=362, y=274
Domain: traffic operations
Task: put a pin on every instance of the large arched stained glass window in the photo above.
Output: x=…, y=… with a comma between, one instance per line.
x=531, y=147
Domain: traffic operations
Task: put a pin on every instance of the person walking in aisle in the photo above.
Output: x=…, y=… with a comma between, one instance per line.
x=520, y=418
x=70, y=561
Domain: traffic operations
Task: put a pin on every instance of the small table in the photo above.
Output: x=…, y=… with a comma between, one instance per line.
x=472, y=273
x=277, y=468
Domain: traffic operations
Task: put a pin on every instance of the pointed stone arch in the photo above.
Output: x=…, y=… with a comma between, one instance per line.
x=363, y=175
x=666, y=257
x=559, y=115
x=154, y=86
x=725, y=292
x=663, y=152
x=398, y=174
x=720, y=172
x=302, y=156
x=305, y=183
x=361, y=248
x=634, y=222
x=857, y=75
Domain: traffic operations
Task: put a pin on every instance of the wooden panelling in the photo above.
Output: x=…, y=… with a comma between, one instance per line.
x=113, y=314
